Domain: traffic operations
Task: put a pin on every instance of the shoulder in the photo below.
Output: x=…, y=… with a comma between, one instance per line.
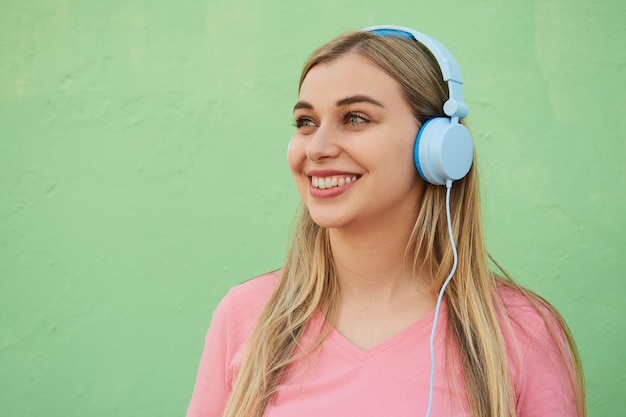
x=236, y=315
x=254, y=290
x=537, y=351
x=526, y=319
x=225, y=343
x=239, y=309
x=527, y=313
x=244, y=302
x=533, y=330
x=516, y=302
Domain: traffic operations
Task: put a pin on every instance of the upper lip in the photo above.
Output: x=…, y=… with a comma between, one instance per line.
x=330, y=173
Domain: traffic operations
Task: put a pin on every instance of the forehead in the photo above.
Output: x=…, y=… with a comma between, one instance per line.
x=348, y=75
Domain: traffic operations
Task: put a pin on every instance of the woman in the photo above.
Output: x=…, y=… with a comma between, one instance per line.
x=346, y=327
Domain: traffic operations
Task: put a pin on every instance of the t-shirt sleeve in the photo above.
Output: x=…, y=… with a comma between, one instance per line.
x=213, y=380
x=545, y=387
x=225, y=344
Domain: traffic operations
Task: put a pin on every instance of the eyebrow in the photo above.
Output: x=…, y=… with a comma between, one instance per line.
x=343, y=102
x=358, y=99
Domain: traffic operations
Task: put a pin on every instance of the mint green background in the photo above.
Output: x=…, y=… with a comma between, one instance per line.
x=143, y=172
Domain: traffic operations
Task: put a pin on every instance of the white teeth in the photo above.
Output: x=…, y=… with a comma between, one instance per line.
x=331, y=182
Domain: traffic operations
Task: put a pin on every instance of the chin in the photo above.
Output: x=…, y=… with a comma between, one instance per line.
x=327, y=221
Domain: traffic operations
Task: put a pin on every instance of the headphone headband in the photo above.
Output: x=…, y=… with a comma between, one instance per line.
x=455, y=107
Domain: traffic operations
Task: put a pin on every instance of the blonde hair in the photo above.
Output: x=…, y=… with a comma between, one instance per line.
x=307, y=282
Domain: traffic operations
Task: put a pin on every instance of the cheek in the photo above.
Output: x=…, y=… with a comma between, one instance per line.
x=401, y=153
x=295, y=159
x=407, y=154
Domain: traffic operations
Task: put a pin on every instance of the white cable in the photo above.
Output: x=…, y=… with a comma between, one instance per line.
x=439, y=298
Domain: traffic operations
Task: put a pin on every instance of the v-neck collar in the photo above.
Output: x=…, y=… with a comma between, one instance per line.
x=420, y=329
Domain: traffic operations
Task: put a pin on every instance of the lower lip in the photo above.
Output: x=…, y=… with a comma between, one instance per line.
x=329, y=192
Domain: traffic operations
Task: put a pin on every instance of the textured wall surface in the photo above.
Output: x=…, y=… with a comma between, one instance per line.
x=143, y=172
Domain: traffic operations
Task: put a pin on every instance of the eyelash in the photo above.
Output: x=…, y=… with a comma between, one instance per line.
x=350, y=114
x=301, y=121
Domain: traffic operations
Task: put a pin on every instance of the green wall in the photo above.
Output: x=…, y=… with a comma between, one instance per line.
x=143, y=172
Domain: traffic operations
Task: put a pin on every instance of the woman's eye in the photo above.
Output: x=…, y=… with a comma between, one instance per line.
x=354, y=118
x=303, y=122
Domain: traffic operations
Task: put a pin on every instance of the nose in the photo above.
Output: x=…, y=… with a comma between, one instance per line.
x=323, y=144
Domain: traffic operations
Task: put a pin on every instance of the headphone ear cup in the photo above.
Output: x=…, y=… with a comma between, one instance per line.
x=443, y=151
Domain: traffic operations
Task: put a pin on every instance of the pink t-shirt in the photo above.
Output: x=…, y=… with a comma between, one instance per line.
x=390, y=379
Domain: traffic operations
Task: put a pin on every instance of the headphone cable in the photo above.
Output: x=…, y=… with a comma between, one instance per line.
x=440, y=298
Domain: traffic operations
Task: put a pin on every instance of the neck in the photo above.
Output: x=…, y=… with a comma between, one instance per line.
x=379, y=292
x=371, y=261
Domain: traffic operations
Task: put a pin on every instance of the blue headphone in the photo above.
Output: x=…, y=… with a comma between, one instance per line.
x=443, y=149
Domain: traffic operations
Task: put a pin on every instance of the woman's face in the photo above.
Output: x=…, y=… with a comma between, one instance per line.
x=352, y=153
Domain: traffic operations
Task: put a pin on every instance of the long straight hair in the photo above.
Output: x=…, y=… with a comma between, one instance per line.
x=307, y=283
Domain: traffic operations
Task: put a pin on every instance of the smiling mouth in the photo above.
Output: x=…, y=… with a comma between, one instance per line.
x=324, y=183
